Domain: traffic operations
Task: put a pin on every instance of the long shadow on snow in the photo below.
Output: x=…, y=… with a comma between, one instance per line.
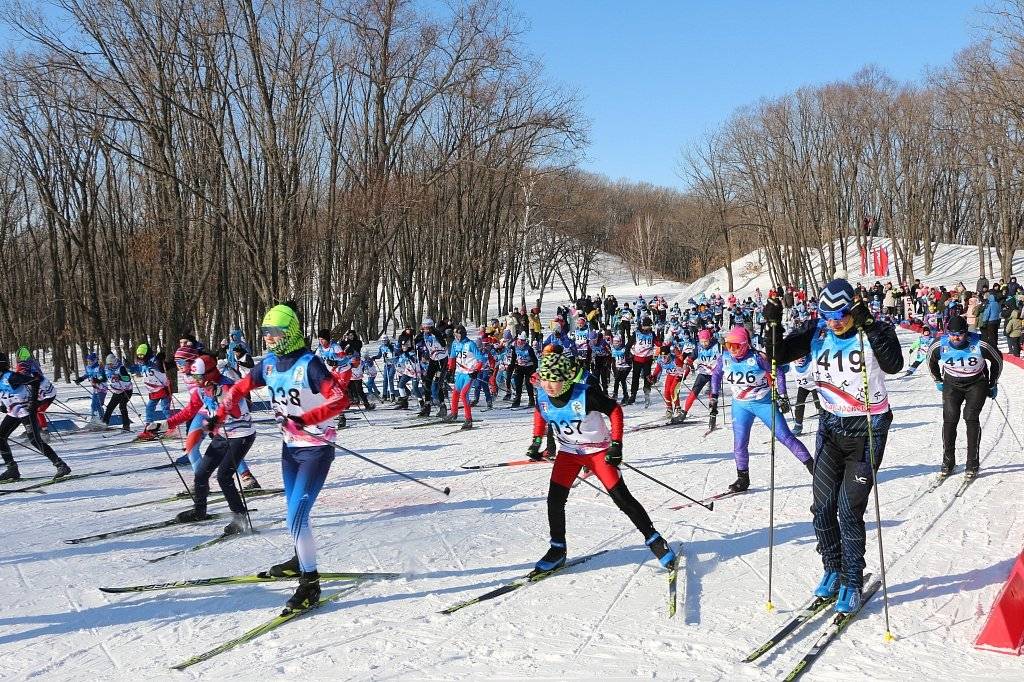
x=500, y=505
x=932, y=587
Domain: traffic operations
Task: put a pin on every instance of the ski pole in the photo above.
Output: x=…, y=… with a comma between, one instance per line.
x=175, y=465
x=340, y=448
x=709, y=507
x=771, y=473
x=1007, y=422
x=874, y=482
x=68, y=407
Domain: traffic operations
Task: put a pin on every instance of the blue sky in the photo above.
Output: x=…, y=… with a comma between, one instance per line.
x=655, y=75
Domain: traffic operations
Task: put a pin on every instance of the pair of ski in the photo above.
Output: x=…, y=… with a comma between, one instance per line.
x=658, y=424
x=432, y=422
x=145, y=528
x=806, y=613
x=35, y=487
x=258, y=492
x=510, y=463
x=535, y=576
x=940, y=479
x=267, y=626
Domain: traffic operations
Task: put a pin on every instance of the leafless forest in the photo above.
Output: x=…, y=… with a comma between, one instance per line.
x=179, y=165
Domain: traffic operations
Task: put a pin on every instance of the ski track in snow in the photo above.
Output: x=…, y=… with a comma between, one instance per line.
x=947, y=557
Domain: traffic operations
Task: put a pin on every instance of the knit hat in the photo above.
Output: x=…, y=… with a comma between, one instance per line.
x=556, y=367
x=285, y=318
x=956, y=325
x=837, y=296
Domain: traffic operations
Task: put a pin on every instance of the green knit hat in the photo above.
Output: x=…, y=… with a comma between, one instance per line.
x=556, y=367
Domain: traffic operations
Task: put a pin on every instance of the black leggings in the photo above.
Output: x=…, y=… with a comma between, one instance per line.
x=7, y=427
x=623, y=499
x=621, y=380
x=972, y=398
x=603, y=370
x=801, y=398
x=521, y=378
x=119, y=400
x=641, y=369
x=224, y=455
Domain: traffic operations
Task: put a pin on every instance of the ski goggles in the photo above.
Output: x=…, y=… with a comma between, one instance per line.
x=834, y=315
x=956, y=335
x=736, y=348
x=273, y=331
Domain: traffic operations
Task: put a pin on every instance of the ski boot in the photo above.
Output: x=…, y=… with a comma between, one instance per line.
x=531, y=403
x=742, y=482
x=849, y=599
x=62, y=468
x=467, y=425
x=191, y=516
x=342, y=422
x=971, y=472
x=442, y=411
x=424, y=410
x=285, y=569
x=403, y=403
x=473, y=403
x=508, y=396
x=679, y=417
x=11, y=473
x=661, y=549
x=798, y=428
x=370, y=407
x=946, y=471
x=450, y=419
x=647, y=398
x=307, y=594
x=515, y=404
x=554, y=558
x=829, y=585
x=238, y=524
x=490, y=405
x=669, y=414
x=249, y=481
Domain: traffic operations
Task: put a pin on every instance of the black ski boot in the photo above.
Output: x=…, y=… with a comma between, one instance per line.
x=191, y=516
x=62, y=469
x=661, y=549
x=238, y=524
x=515, y=404
x=442, y=412
x=285, y=569
x=424, y=410
x=742, y=482
x=11, y=473
x=342, y=422
x=371, y=406
x=554, y=558
x=403, y=403
x=467, y=425
x=307, y=594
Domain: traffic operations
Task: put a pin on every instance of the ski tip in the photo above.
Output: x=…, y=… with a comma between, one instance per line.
x=889, y=637
x=447, y=491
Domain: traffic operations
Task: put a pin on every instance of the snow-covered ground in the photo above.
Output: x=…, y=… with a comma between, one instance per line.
x=946, y=557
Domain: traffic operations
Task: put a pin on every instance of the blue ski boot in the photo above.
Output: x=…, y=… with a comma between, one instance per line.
x=554, y=558
x=661, y=549
x=849, y=599
x=829, y=585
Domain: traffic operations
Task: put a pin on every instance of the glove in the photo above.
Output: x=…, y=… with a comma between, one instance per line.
x=938, y=386
x=784, y=405
x=861, y=315
x=713, y=409
x=533, y=452
x=79, y=381
x=772, y=311
x=155, y=427
x=211, y=423
x=993, y=392
x=613, y=455
x=297, y=419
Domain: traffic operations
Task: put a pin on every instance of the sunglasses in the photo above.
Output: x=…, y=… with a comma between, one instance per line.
x=833, y=315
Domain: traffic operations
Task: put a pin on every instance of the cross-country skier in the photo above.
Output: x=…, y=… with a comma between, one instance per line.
x=676, y=367
x=465, y=359
x=151, y=370
x=806, y=385
x=642, y=347
x=18, y=395
x=622, y=364
x=918, y=352
x=747, y=373
x=435, y=379
x=523, y=364
x=98, y=381
x=707, y=355
x=306, y=398
x=958, y=366
x=842, y=467
x=228, y=444
x=577, y=412
x=119, y=382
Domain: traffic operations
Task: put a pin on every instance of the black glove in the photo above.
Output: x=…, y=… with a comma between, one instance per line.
x=613, y=455
x=784, y=405
x=79, y=381
x=298, y=419
x=533, y=452
x=861, y=315
x=773, y=311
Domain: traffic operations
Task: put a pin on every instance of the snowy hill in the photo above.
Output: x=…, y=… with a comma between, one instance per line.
x=946, y=558
x=952, y=263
